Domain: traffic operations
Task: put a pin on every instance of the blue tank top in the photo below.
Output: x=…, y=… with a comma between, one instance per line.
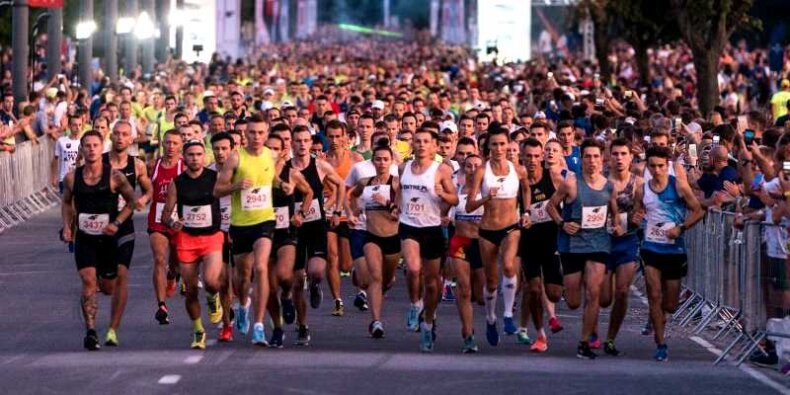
x=590, y=210
x=665, y=210
x=574, y=160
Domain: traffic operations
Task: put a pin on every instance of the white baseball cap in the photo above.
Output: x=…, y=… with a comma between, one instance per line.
x=449, y=125
x=378, y=104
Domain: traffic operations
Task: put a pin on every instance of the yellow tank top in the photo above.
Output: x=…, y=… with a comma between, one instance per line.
x=254, y=205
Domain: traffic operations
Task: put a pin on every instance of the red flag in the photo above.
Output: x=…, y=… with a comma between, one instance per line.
x=45, y=3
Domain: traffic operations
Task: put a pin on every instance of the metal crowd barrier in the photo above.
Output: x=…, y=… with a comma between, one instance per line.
x=724, y=288
x=24, y=183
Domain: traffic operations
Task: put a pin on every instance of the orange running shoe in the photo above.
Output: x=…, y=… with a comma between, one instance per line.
x=541, y=344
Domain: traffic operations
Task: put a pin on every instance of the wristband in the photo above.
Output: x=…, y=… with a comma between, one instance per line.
x=116, y=223
x=338, y=213
x=682, y=228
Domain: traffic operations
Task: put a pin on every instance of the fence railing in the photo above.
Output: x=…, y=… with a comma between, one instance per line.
x=725, y=286
x=24, y=182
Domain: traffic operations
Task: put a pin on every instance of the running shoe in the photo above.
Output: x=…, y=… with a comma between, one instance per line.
x=583, y=351
x=303, y=339
x=765, y=360
x=610, y=349
x=162, y=315
x=316, y=294
x=345, y=274
x=376, y=329
x=447, y=293
x=647, y=330
x=259, y=336
x=427, y=337
x=540, y=345
x=555, y=325
x=199, y=341
x=172, y=284
x=111, y=339
x=470, y=345
x=242, y=323
x=182, y=287
x=225, y=334
x=338, y=311
x=510, y=326
x=361, y=301
x=214, y=308
x=277, y=339
x=492, y=334
x=595, y=342
x=91, y=341
x=289, y=311
x=662, y=353
x=413, y=318
x=522, y=337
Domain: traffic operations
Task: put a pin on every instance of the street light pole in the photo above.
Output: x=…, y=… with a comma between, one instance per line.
x=148, y=44
x=111, y=39
x=86, y=47
x=21, y=49
x=130, y=53
x=54, y=41
x=179, y=30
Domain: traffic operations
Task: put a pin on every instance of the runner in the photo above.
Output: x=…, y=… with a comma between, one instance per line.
x=222, y=145
x=499, y=227
x=281, y=264
x=311, y=248
x=538, y=246
x=670, y=209
x=67, y=149
x=425, y=185
x=622, y=259
x=583, y=241
x=382, y=245
x=465, y=250
x=164, y=170
x=567, y=138
x=248, y=176
x=135, y=172
x=338, y=243
x=196, y=234
x=90, y=196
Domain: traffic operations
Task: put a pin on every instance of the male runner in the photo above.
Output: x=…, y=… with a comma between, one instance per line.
x=90, y=197
x=670, y=209
x=135, y=172
x=163, y=171
x=425, y=185
x=583, y=241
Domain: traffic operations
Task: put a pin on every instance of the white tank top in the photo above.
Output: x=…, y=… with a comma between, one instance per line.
x=647, y=176
x=460, y=209
x=371, y=204
x=224, y=207
x=420, y=206
x=508, y=185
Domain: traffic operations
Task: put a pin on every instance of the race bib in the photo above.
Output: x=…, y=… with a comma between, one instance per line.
x=314, y=213
x=656, y=232
x=594, y=217
x=93, y=224
x=224, y=213
x=538, y=213
x=283, y=217
x=158, y=217
x=414, y=207
x=197, y=216
x=257, y=198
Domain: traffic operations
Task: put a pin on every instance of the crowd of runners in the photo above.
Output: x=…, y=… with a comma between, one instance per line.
x=265, y=181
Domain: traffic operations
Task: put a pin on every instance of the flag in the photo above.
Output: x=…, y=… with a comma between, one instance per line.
x=45, y=3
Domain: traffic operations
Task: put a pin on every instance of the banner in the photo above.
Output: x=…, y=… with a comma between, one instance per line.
x=45, y=3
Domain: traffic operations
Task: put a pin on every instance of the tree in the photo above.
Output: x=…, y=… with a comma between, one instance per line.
x=706, y=26
x=596, y=10
x=644, y=24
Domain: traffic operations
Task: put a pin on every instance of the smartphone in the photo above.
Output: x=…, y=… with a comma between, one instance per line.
x=693, y=150
x=61, y=77
x=748, y=136
x=678, y=122
x=627, y=94
x=597, y=76
x=647, y=139
x=716, y=140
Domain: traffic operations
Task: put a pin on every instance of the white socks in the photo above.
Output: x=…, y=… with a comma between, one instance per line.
x=490, y=303
x=509, y=286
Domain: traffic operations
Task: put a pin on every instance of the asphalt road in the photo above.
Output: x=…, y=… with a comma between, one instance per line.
x=41, y=349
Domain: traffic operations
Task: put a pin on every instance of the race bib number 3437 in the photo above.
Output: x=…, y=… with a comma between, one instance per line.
x=93, y=224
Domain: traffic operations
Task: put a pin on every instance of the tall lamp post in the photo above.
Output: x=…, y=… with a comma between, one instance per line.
x=144, y=31
x=84, y=33
x=21, y=48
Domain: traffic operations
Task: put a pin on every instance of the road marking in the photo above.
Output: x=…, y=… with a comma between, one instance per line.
x=169, y=379
x=744, y=368
x=193, y=359
x=211, y=342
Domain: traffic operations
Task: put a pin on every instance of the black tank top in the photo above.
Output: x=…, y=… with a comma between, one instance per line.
x=130, y=172
x=310, y=174
x=94, y=200
x=540, y=192
x=197, y=205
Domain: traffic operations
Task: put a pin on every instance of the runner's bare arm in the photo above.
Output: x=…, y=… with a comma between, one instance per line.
x=340, y=186
x=447, y=191
x=473, y=204
x=170, y=205
x=695, y=211
x=224, y=186
x=556, y=199
x=67, y=206
x=302, y=186
x=145, y=183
